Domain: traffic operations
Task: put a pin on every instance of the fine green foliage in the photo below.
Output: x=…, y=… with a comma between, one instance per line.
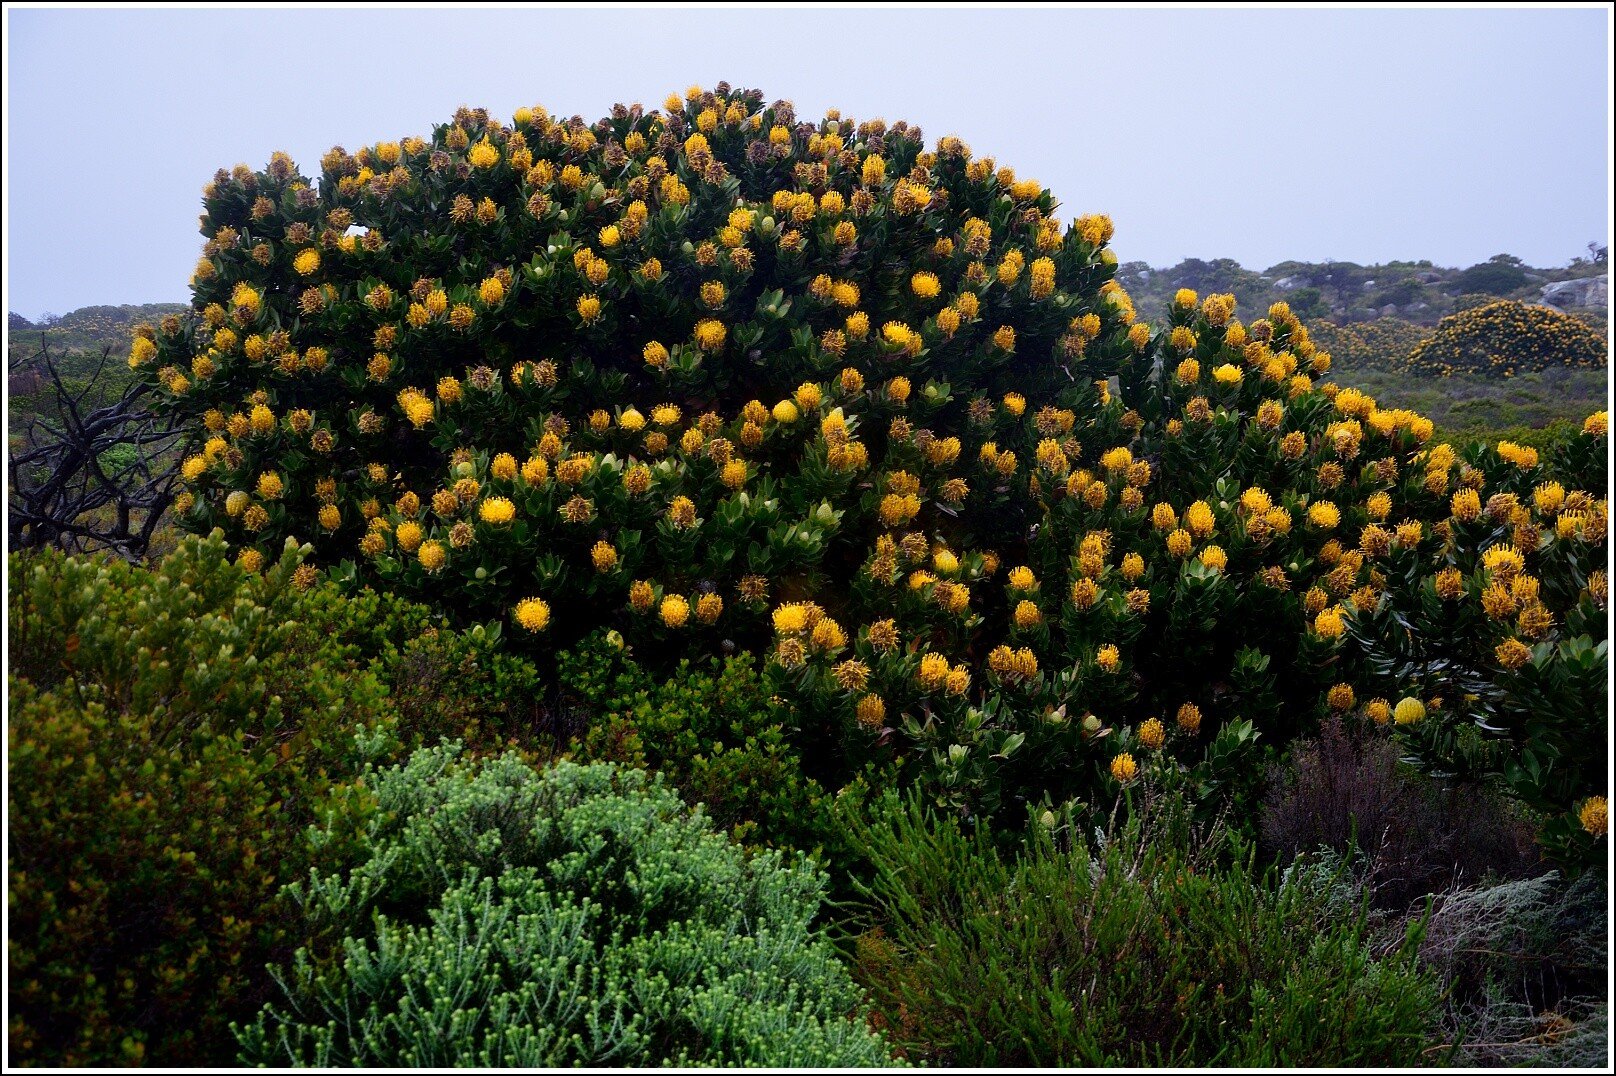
x=1141, y=949
x=171, y=733
x=576, y=915
x=719, y=733
x=463, y=684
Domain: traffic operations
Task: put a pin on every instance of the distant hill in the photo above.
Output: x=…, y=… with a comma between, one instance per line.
x=89, y=328
x=1345, y=293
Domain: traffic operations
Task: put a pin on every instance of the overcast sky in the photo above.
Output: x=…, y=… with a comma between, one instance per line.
x=1261, y=135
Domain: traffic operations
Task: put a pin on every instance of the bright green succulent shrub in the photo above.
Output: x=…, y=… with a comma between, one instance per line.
x=1155, y=946
x=712, y=375
x=172, y=731
x=576, y=915
x=1505, y=338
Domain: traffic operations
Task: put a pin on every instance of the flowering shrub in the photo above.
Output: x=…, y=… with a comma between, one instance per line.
x=1505, y=338
x=578, y=915
x=1382, y=344
x=713, y=374
x=1493, y=666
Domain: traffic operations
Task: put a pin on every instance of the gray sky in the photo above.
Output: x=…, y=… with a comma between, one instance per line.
x=1260, y=135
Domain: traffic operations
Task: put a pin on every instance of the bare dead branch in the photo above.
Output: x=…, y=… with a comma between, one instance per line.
x=92, y=479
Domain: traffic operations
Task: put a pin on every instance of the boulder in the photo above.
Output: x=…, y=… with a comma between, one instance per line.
x=1589, y=293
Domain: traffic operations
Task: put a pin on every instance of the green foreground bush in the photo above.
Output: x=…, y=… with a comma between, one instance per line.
x=500, y=915
x=1142, y=950
x=171, y=733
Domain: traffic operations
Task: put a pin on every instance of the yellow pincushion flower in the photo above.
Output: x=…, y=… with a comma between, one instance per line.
x=491, y=291
x=1512, y=653
x=682, y=512
x=417, y=407
x=270, y=486
x=675, y=611
x=785, y=412
x=1503, y=561
x=536, y=470
x=1549, y=497
x=408, y=536
x=1199, y=520
x=828, y=635
x=925, y=285
x=141, y=351
x=1466, y=506
x=589, y=308
x=1227, y=374
x=1594, y=814
x=933, y=671
x=1408, y=711
x=790, y=619
x=1330, y=623
x=497, y=511
x=533, y=614
x=1124, y=768
x=483, y=155
x=432, y=556
x=900, y=335
x=1108, y=658
x=1323, y=515
x=1022, y=579
x=1027, y=615
x=710, y=334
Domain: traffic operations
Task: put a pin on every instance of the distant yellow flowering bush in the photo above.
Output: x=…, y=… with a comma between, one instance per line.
x=716, y=373
x=1508, y=338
